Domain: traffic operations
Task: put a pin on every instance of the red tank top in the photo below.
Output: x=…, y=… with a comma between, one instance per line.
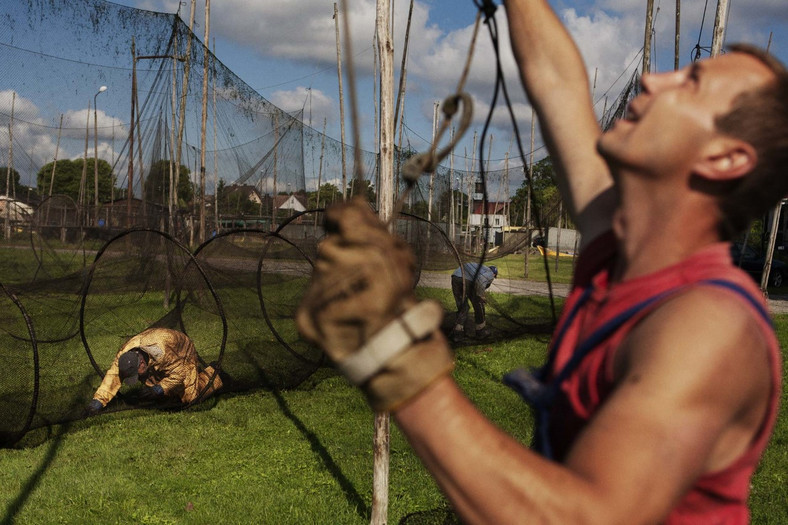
x=719, y=497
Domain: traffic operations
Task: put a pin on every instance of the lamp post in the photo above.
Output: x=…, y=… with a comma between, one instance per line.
x=101, y=90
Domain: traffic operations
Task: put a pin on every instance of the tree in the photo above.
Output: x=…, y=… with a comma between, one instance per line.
x=15, y=177
x=68, y=177
x=329, y=194
x=157, y=184
x=364, y=188
x=545, y=194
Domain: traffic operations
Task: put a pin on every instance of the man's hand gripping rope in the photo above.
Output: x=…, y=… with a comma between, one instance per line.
x=361, y=310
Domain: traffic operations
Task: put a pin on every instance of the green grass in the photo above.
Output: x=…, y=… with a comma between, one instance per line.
x=513, y=267
x=298, y=456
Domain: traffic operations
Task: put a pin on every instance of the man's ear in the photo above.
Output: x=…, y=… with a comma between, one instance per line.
x=726, y=159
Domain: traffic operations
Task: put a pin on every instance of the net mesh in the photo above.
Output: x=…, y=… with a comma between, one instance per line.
x=113, y=233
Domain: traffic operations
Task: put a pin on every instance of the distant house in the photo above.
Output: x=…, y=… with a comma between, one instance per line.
x=293, y=203
x=14, y=210
x=495, y=214
x=245, y=191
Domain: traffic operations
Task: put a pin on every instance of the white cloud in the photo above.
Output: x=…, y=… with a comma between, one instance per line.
x=314, y=103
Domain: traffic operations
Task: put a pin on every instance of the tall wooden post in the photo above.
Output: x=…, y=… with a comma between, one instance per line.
x=9, y=169
x=57, y=152
x=678, y=36
x=82, y=201
x=131, y=134
x=206, y=54
x=718, y=36
x=527, y=210
x=341, y=103
x=215, y=149
x=381, y=440
x=182, y=108
x=647, y=37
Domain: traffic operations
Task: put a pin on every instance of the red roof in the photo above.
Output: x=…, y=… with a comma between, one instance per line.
x=493, y=208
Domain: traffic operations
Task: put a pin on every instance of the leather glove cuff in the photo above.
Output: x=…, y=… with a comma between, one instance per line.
x=409, y=373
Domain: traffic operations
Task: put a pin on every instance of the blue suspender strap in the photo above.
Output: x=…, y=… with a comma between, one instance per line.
x=541, y=395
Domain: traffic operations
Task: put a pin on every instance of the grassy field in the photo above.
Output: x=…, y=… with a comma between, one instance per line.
x=298, y=456
x=291, y=456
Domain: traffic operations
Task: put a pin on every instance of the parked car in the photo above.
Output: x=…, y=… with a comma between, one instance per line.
x=752, y=262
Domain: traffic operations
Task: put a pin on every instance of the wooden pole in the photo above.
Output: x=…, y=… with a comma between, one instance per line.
x=57, y=151
x=215, y=149
x=141, y=166
x=381, y=440
x=430, y=193
x=341, y=104
x=718, y=36
x=203, y=124
x=678, y=36
x=376, y=103
x=452, y=218
x=403, y=75
x=83, y=180
x=770, y=248
x=10, y=167
x=273, y=191
x=647, y=36
x=172, y=202
x=320, y=168
x=95, y=156
x=131, y=134
x=527, y=211
x=182, y=109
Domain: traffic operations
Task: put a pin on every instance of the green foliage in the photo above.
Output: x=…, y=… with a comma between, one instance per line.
x=14, y=179
x=363, y=187
x=157, y=184
x=68, y=178
x=328, y=193
x=545, y=192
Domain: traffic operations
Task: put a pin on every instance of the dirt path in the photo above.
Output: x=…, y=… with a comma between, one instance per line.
x=778, y=304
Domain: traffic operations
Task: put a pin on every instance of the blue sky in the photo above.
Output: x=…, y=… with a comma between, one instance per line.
x=286, y=51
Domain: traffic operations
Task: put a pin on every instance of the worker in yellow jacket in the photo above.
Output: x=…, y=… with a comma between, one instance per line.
x=165, y=361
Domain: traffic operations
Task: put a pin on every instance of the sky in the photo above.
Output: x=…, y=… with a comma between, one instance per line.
x=286, y=51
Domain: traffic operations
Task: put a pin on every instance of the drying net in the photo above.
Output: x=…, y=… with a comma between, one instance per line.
x=119, y=213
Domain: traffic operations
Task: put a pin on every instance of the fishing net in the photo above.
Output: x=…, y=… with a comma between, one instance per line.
x=138, y=219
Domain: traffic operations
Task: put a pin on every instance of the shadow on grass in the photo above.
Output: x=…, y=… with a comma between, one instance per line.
x=439, y=516
x=30, y=485
x=351, y=494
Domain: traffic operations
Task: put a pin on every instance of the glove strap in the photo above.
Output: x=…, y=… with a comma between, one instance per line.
x=415, y=324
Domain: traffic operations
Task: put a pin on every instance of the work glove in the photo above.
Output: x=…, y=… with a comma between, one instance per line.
x=148, y=393
x=361, y=310
x=93, y=408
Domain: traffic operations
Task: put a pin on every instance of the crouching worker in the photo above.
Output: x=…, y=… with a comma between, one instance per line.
x=470, y=282
x=165, y=361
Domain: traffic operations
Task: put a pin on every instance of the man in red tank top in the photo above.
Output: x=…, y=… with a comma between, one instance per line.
x=663, y=379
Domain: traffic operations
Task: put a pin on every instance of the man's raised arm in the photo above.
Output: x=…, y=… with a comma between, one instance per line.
x=555, y=79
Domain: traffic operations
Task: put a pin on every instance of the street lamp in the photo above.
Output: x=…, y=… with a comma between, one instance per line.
x=101, y=90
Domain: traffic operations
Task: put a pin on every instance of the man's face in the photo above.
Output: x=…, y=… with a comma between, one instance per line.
x=670, y=122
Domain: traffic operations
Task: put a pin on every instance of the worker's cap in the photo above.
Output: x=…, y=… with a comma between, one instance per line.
x=128, y=366
x=494, y=270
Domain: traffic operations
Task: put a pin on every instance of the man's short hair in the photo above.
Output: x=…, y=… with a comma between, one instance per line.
x=760, y=118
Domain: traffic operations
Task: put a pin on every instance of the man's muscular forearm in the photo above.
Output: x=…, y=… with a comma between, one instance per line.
x=488, y=476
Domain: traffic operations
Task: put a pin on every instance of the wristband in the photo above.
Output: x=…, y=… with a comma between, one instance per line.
x=417, y=323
